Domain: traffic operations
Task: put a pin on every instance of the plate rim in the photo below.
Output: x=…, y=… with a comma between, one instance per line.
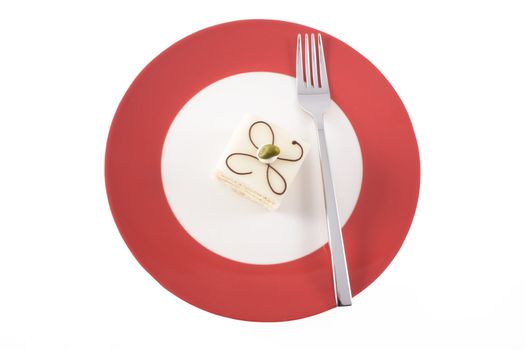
x=120, y=225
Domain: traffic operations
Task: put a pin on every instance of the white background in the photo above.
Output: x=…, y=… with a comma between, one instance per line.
x=67, y=280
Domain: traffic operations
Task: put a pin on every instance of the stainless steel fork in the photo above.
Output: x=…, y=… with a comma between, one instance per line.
x=314, y=97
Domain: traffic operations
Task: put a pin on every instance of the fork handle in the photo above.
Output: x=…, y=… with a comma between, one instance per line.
x=343, y=294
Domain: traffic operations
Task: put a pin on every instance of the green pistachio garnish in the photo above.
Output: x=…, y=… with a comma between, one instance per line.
x=268, y=151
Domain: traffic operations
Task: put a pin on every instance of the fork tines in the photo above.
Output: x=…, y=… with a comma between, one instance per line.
x=313, y=76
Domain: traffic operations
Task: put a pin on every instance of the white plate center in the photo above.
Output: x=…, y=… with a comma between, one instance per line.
x=223, y=221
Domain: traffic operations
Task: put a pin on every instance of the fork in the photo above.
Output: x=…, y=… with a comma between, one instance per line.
x=313, y=95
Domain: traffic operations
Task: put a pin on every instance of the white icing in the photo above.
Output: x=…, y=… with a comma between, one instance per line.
x=256, y=181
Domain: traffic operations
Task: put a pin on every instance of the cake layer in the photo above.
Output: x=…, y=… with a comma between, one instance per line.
x=261, y=161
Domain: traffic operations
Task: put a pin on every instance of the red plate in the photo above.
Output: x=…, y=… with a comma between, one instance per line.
x=373, y=234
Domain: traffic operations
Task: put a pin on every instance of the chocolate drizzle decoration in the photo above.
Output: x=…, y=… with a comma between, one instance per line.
x=268, y=166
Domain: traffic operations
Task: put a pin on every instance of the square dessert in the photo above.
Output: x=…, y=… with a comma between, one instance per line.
x=261, y=161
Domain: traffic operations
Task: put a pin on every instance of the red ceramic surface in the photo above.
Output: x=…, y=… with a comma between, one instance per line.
x=373, y=234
